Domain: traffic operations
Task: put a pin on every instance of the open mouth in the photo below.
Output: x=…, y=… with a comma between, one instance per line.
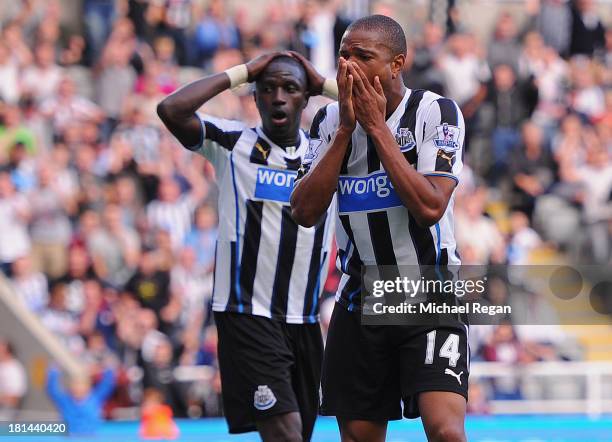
x=279, y=118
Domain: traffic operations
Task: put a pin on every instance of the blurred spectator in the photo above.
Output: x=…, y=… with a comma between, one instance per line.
x=30, y=286
x=531, y=168
x=98, y=356
x=465, y=75
x=13, y=132
x=115, y=75
x=213, y=32
x=504, y=47
x=159, y=374
x=150, y=285
x=66, y=107
x=203, y=236
x=477, y=402
x=477, y=235
x=586, y=98
x=505, y=347
x=88, y=315
x=98, y=16
x=59, y=320
x=40, y=81
x=554, y=23
x=512, y=103
x=172, y=211
x=13, y=382
x=588, y=33
x=141, y=135
x=523, y=239
x=421, y=70
x=50, y=227
x=114, y=248
x=14, y=214
x=78, y=272
x=128, y=200
x=9, y=72
x=81, y=405
x=595, y=181
x=156, y=417
x=193, y=285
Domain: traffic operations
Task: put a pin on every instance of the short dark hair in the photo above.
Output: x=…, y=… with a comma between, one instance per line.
x=391, y=32
x=290, y=60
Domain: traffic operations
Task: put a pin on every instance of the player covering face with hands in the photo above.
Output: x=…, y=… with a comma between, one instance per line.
x=391, y=157
x=269, y=271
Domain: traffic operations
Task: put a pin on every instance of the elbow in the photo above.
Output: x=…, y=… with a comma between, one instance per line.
x=302, y=217
x=300, y=214
x=164, y=109
x=429, y=217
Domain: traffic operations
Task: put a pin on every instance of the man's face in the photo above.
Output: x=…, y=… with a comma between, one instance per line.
x=372, y=55
x=281, y=97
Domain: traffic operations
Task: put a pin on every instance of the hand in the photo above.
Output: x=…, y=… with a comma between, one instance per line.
x=315, y=80
x=258, y=64
x=345, y=96
x=370, y=103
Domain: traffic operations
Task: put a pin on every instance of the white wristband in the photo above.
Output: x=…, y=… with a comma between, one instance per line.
x=330, y=88
x=237, y=75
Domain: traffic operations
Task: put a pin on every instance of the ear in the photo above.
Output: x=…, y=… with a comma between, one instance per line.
x=397, y=65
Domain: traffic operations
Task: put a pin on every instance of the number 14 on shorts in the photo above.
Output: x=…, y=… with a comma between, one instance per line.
x=449, y=350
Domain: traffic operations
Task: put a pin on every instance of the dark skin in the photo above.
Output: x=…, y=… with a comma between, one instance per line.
x=178, y=110
x=282, y=92
x=370, y=89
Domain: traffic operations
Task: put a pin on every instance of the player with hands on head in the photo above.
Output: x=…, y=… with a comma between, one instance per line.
x=269, y=271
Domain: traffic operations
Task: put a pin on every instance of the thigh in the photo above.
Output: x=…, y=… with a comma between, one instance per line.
x=255, y=361
x=434, y=359
x=307, y=344
x=360, y=378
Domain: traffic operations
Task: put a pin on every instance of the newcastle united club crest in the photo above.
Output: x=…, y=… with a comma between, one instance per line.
x=404, y=139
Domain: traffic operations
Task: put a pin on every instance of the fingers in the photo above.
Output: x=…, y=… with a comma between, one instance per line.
x=357, y=79
x=341, y=75
x=366, y=83
x=378, y=86
x=297, y=56
x=349, y=88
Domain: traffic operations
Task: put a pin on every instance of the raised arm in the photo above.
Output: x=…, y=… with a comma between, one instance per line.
x=178, y=110
x=314, y=191
x=106, y=386
x=54, y=385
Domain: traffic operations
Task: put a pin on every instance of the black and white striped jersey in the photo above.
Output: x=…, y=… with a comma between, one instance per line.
x=373, y=227
x=266, y=264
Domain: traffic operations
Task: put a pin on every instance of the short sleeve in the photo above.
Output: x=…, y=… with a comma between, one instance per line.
x=441, y=151
x=219, y=136
x=319, y=139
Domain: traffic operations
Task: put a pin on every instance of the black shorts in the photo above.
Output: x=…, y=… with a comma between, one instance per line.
x=369, y=370
x=268, y=368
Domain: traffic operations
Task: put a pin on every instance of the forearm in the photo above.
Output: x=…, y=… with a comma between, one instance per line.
x=314, y=192
x=184, y=102
x=418, y=194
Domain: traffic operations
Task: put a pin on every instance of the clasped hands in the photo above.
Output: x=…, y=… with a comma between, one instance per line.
x=359, y=99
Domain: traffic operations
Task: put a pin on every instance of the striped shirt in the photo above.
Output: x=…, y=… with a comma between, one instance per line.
x=174, y=217
x=265, y=263
x=373, y=226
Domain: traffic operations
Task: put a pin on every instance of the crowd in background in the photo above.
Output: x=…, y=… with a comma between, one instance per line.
x=108, y=226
